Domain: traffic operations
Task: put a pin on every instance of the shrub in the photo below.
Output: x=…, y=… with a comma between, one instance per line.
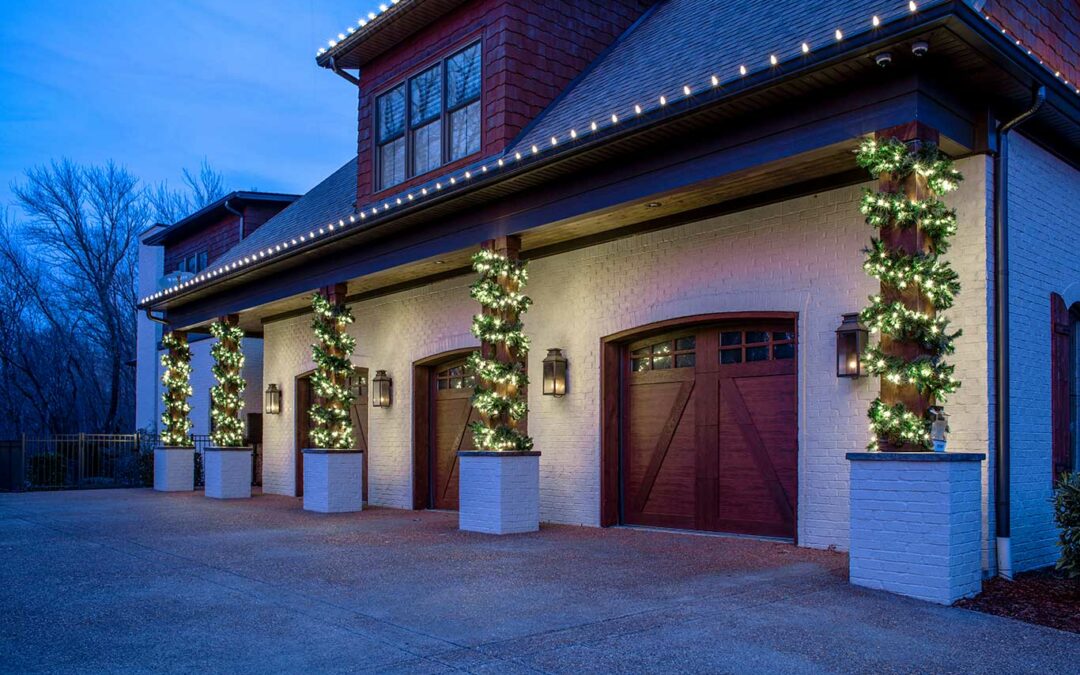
x=1067, y=515
x=47, y=469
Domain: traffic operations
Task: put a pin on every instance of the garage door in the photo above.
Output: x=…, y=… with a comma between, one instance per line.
x=452, y=414
x=710, y=429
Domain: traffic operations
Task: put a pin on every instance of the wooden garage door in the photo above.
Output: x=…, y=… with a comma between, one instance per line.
x=452, y=413
x=710, y=429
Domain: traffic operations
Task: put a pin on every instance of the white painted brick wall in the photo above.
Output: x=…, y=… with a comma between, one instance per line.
x=499, y=494
x=802, y=255
x=916, y=528
x=174, y=469
x=1044, y=240
x=333, y=482
x=227, y=473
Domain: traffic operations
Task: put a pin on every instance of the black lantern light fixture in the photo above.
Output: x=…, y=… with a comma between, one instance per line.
x=273, y=400
x=381, y=386
x=851, y=338
x=555, y=373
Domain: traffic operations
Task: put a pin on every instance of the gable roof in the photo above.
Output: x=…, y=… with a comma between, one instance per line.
x=686, y=42
x=181, y=228
x=698, y=44
x=326, y=202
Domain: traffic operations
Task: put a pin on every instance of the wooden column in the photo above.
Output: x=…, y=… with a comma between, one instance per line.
x=910, y=241
x=509, y=246
x=177, y=352
x=336, y=293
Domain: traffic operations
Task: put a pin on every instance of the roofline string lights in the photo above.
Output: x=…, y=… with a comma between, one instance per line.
x=360, y=23
x=712, y=81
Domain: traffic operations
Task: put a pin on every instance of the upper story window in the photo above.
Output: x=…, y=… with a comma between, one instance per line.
x=194, y=263
x=430, y=119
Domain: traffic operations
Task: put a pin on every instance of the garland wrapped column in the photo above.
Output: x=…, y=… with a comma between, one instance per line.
x=331, y=423
x=916, y=283
x=499, y=366
x=226, y=397
x=176, y=377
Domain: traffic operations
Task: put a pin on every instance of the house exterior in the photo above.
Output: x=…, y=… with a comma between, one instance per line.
x=681, y=177
x=173, y=253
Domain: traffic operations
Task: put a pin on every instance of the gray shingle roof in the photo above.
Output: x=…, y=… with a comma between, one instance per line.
x=326, y=202
x=685, y=42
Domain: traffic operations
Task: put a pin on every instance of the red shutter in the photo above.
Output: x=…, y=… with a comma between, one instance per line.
x=1060, y=378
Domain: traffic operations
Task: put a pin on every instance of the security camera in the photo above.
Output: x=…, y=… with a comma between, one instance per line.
x=883, y=59
x=920, y=48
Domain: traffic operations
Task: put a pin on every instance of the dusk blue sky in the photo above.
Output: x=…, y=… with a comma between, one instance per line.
x=157, y=85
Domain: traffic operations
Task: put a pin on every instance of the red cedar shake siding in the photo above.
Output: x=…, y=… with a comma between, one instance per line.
x=530, y=52
x=1049, y=28
x=218, y=237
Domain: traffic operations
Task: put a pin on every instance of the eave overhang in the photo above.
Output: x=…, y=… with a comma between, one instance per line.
x=377, y=33
x=960, y=39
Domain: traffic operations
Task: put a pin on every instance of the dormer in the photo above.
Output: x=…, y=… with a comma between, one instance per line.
x=446, y=83
x=197, y=240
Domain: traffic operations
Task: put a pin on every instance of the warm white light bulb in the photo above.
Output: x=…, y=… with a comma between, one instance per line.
x=839, y=34
x=912, y=6
x=875, y=21
x=637, y=110
x=773, y=60
x=805, y=48
x=715, y=81
x=742, y=70
x=663, y=100
x=686, y=90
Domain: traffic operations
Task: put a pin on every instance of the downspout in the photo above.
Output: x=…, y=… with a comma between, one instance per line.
x=1002, y=475
x=341, y=73
x=155, y=319
x=239, y=214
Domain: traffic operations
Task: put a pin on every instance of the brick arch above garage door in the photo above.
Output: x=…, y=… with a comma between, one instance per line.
x=699, y=424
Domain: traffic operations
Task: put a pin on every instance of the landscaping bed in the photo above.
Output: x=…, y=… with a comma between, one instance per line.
x=1044, y=597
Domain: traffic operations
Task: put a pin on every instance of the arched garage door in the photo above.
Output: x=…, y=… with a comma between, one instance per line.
x=709, y=437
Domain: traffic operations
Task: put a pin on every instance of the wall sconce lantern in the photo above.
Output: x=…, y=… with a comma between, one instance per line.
x=381, y=386
x=555, y=373
x=273, y=400
x=851, y=338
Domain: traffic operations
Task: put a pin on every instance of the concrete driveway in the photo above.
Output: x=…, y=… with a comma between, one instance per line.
x=137, y=580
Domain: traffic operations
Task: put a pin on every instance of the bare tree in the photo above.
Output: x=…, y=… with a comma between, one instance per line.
x=76, y=256
x=201, y=190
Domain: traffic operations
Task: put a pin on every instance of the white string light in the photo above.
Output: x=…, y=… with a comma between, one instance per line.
x=499, y=163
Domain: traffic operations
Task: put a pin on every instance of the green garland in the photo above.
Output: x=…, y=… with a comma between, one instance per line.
x=226, y=397
x=330, y=419
x=499, y=394
x=176, y=377
x=934, y=278
x=938, y=282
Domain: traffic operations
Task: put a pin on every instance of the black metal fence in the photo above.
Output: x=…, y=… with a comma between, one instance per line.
x=86, y=461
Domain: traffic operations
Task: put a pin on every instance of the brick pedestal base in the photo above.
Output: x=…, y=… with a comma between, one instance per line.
x=333, y=480
x=228, y=472
x=499, y=492
x=916, y=522
x=174, y=469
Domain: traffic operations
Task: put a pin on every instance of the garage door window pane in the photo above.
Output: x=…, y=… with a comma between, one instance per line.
x=684, y=361
x=728, y=338
x=683, y=344
x=640, y=365
x=661, y=362
x=729, y=356
x=757, y=353
x=754, y=337
x=785, y=351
